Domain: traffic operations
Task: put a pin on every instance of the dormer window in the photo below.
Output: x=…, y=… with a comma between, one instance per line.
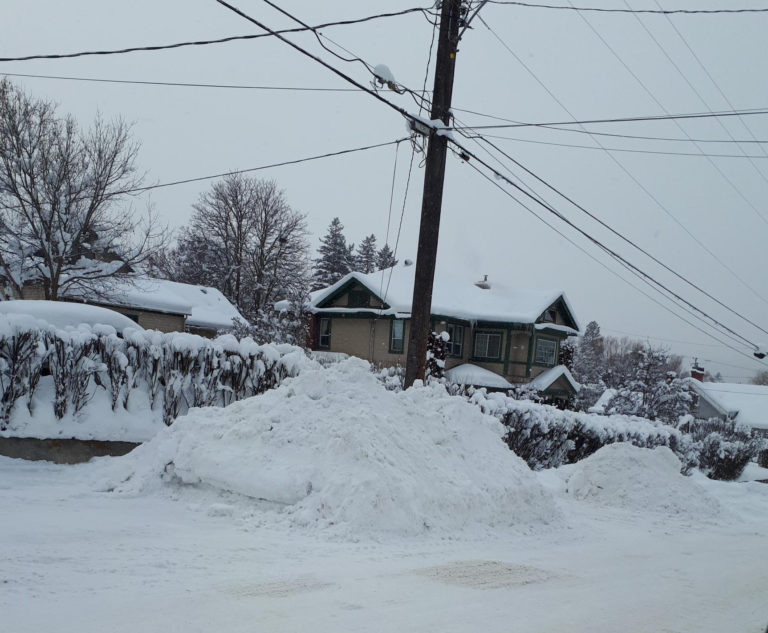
x=550, y=315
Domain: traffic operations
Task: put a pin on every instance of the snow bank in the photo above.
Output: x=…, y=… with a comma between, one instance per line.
x=343, y=454
x=640, y=479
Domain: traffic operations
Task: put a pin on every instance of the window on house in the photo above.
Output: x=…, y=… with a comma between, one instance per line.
x=546, y=352
x=550, y=316
x=358, y=299
x=488, y=345
x=324, y=334
x=456, y=342
x=396, y=335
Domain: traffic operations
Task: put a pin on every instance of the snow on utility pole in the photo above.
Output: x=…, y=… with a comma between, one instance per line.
x=451, y=18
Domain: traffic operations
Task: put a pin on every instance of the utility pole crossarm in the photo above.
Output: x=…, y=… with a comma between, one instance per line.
x=451, y=20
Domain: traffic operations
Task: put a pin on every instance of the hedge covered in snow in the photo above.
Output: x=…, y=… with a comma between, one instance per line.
x=174, y=371
x=547, y=437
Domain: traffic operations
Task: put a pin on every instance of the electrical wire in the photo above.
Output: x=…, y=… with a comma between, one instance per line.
x=623, y=149
x=628, y=241
x=222, y=40
x=666, y=308
x=181, y=84
x=703, y=101
x=648, y=91
x=616, y=256
x=621, y=166
x=605, y=248
x=706, y=71
x=260, y=168
x=647, y=11
x=634, y=119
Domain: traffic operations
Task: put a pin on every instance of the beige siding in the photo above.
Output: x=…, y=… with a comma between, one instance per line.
x=367, y=339
x=153, y=320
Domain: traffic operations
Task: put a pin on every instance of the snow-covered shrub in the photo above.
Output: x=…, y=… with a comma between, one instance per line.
x=176, y=371
x=723, y=446
x=437, y=350
x=20, y=365
x=547, y=437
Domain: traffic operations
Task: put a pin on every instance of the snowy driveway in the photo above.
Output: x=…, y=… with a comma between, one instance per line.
x=74, y=560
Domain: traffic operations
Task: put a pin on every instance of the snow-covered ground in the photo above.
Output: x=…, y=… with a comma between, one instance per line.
x=330, y=504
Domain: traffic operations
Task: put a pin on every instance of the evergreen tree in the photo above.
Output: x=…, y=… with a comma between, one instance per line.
x=653, y=392
x=336, y=258
x=588, y=366
x=366, y=258
x=385, y=258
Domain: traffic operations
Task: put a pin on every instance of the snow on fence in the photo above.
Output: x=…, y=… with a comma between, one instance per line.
x=174, y=371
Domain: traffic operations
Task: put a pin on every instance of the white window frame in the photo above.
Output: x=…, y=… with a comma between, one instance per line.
x=455, y=344
x=321, y=333
x=478, y=347
x=396, y=348
x=550, y=353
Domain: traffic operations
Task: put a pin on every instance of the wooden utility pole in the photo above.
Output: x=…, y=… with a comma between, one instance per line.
x=451, y=17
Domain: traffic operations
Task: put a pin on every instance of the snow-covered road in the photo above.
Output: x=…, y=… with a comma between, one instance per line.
x=75, y=560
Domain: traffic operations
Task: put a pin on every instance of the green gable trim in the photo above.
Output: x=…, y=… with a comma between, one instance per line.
x=349, y=285
x=562, y=308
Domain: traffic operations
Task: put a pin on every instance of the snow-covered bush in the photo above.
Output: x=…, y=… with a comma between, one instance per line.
x=175, y=371
x=21, y=359
x=724, y=447
x=547, y=437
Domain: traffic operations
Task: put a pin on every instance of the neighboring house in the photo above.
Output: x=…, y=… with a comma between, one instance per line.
x=746, y=404
x=159, y=304
x=512, y=334
x=63, y=314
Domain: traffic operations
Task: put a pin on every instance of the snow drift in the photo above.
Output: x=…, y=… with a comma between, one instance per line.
x=341, y=453
x=640, y=479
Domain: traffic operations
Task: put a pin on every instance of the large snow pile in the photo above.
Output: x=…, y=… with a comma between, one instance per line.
x=639, y=479
x=340, y=452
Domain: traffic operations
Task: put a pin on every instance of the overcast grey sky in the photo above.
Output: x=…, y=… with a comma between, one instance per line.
x=700, y=216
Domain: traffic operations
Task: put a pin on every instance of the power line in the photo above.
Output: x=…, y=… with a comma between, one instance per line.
x=595, y=133
x=634, y=119
x=620, y=164
x=706, y=71
x=628, y=241
x=658, y=338
x=706, y=105
x=605, y=248
x=186, y=84
x=648, y=91
x=664, y=307
x=648, y=11
x=262, y=167
x=622, y=149
x=468, y=153
x=222, y=40
x=181, y=84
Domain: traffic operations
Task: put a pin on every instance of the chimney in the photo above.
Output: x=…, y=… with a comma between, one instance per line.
x=696, y=371
x=483, y=283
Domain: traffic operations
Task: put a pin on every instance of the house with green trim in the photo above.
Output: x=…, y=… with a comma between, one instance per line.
x=500, y=336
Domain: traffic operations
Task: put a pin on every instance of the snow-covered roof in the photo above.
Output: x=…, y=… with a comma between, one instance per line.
x=469, y=374
x=451, y=297
x=749, y=403
x=205, y=307
x=603, y=401
x=63, y=314
x=547, y=378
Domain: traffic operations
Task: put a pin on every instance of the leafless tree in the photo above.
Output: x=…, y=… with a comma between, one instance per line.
x=61, y=223
x=245, y=240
